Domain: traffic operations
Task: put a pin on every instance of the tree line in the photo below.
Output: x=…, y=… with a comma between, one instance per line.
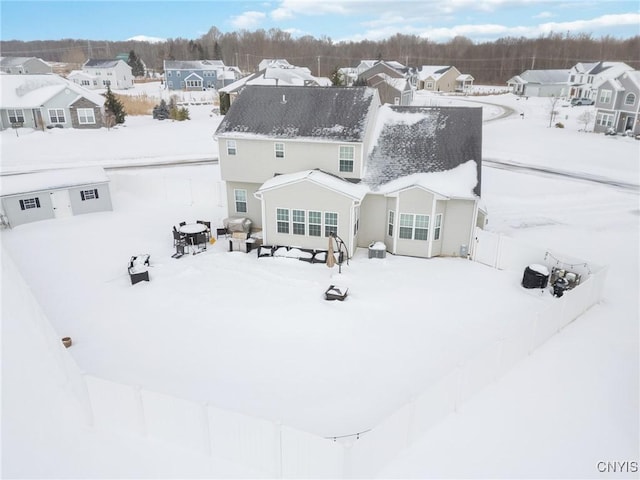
x=491, y=63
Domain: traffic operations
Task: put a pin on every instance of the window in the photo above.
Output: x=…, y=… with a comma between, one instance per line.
x=298, y=221
x=178, y=73
x=86, y=116
x=605, y=96
x=193, y=83
x=231, y=147
x=279, y=150
x=429, y=86
x=330, y=223
x=106, y=83
x=390, y=227
x=315, y=224
x=604, y=119
x=282, y=217
x=56, y=115
x=16, y=116
x=29, y=203
x=437, y=227
x=347, y=154
x=630, y=99
x=240, y=200
x=421, y=231
x=414, y=227
x=89, y=194
x=168, y=74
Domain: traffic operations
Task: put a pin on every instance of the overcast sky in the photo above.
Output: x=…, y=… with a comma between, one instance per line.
x=479, y=20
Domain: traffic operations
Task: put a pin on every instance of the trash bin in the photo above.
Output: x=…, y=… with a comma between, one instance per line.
x=535, y=276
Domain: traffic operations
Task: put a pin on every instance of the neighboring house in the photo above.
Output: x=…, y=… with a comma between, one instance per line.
x=98, y=74
x=39, y=101
x=274, y=63
x=540, y=83
x=390, y=68
x=304, y=163
x=30, y=197
x=438, y=78
x=194, y=75
x=585, y=78
x=395, y=91
x=464, y=83
x=276, y=76
x=24, y=65
x=348, y=75
x=618, y=104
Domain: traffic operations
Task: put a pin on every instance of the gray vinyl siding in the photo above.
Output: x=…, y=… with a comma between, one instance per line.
x=299, y=155
x=17, y=216
x=457, y=226
x=415, y=201
x=373, y=220
x=100, y=204
x=307, y=196
x=254, y=208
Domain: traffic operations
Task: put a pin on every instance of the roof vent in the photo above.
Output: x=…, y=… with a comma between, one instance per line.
x=284, y=99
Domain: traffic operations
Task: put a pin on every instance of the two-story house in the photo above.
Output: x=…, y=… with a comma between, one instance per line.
x=584, y=78
x=193, y=75
x=100, y=74
x=395, y=82
x=618, y=104
x=305, y=163
x=24, y=65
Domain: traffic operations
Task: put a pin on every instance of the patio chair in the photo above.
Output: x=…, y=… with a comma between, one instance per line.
x=178, y=238
x=182, y=224
x=208, y=225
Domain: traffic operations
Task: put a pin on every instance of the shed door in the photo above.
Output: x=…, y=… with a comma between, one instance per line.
x=61, y=203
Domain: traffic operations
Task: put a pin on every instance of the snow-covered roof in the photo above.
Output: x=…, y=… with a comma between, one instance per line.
x=459, y=182
x=16, y=61
x=193, y=64
x=411, y=140
x=544, y=77
x=332, y=182
x=325, y=113
x=80, y=74
x=399, y=84
x=433, y=71
x=274, y=63
x=464, y=77
x=277, y=76
x=32, y=91
x=51, y=180
x=102, y=63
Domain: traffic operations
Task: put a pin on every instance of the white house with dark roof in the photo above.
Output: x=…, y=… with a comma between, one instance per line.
x=304, y=163
x=46, y=101
x=100, y=73
x=540, y=83
x=585, y=78
x=24, y=65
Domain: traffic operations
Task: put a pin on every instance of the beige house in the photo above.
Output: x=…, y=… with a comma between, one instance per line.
x=438, y=78
x=307, y=163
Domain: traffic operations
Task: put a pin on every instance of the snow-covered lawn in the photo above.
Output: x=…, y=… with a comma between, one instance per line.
x=260, y=333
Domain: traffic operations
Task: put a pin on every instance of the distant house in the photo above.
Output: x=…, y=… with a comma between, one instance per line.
x=30, y=197
x=282, y=76
x=438, y=78
x=193, y=75
x=46, y=101
x=618, y=104
x=274, y=63
x=99, y=74
x=464, y=83
x=585, y=78
x=395, y=91
x=390, y=68
x=24, y=65
x=307, y=163
x=348, y=75
x=540, y=83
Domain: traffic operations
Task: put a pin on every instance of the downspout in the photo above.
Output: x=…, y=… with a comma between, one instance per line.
x=472, y=246
x=258, y=195
x=431, y=225
x=396, y=226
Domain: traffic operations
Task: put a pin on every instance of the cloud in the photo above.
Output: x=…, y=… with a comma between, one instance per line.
x=544, y=15
x=313, y=7
x=281, y=14
x=247, y=20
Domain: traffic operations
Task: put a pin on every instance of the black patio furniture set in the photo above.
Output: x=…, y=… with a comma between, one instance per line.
x=191, y=237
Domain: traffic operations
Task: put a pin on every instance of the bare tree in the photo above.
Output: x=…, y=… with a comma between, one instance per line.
x=553, y=101
x=585, y=118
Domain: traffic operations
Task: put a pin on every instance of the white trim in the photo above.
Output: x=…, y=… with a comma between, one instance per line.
x=429, y=235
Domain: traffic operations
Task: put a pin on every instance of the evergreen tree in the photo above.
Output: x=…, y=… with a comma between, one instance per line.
x=161, y=111
x=225, y=103
x=137, y=67
x=336, y=77
x=113, y=107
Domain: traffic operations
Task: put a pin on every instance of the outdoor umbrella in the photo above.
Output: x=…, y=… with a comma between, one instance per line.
x=331, y=259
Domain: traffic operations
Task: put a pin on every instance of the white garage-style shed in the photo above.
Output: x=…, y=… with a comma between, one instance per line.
x=30, y=197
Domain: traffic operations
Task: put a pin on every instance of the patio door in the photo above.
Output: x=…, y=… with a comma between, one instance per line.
x=61, y=203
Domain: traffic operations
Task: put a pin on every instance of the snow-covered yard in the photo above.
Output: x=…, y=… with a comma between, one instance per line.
x=256, y=336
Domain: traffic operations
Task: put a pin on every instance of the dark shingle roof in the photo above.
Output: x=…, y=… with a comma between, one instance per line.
x=423, y=139
x=329, y=113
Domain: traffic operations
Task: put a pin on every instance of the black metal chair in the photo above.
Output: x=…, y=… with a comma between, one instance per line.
x=208, y=225
x=178, y=237
x=182, y=224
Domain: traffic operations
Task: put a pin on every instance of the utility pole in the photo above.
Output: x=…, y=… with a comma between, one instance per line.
x=318, y=65
x=90, y=52
x=533, y=62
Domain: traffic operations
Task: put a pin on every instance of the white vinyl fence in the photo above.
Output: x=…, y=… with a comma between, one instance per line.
x=283, y=452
